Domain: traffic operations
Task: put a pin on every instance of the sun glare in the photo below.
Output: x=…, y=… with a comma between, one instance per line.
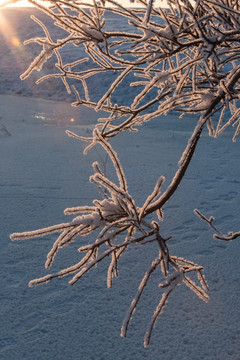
x=8, y=32
x=24, y=3
x=15, y=3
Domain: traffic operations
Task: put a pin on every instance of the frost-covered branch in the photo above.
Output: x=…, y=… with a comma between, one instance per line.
x=105, y=220
x=184, y=59
x=219, y=235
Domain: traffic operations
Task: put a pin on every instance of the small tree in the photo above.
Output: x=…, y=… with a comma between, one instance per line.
x=184, y=58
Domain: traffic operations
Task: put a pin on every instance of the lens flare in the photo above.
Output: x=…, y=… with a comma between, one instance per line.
x=15, y=41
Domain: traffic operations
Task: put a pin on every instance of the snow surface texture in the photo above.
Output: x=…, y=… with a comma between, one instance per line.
x=43, y=172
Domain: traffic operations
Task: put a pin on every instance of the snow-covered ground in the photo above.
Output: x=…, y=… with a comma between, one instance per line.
x=43, y=171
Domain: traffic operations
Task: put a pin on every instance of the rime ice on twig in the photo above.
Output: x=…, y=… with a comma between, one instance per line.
x=181, y=61
x=114, y=215
x=187, y=63
x=219, y=235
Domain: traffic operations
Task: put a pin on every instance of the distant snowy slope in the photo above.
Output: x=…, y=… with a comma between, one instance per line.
x=15, y=57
